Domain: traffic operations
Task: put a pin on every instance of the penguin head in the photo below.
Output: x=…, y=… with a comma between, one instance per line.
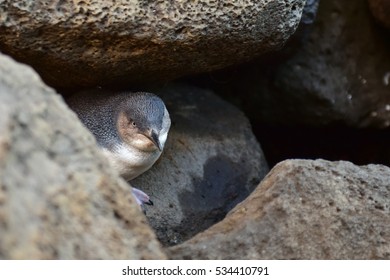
x=143, y=122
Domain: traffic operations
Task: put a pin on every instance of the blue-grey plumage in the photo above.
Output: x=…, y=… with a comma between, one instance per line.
x=130, y=128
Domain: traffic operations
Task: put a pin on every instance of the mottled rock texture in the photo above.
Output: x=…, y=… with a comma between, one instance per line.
x=304, y=210
x=310, y=11
x=211, y=162
x=107, y=42
x=58, y=197
x=340, y=75
x=381, y=11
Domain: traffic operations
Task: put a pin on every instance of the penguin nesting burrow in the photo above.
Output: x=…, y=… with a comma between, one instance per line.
x=130, y=128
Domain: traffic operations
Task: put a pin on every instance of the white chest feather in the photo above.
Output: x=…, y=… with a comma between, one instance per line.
x=131, y=162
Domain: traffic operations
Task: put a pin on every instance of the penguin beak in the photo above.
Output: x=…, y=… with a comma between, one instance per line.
x=153, y=136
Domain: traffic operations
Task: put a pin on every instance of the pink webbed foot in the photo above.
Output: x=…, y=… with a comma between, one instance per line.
x=141, y=197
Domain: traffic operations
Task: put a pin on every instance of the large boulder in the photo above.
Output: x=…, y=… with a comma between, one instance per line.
x=339, y=75
x=59, y=198
x=304, y=210
x=211, y=162
x=111, y=42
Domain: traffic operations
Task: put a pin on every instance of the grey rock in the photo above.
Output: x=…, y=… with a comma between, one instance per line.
x=381, y=11
x=340, y=75
x=210, y=163
x=304, y=210
x=310, y=11
x=59, y=198
x=111, y=42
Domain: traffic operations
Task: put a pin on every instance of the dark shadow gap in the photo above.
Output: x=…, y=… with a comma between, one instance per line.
x=333, y=142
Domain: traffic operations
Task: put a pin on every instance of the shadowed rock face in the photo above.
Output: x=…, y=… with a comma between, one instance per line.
x=338, y=75
x=336, y=72
x=210, y=163
x=381, y=11
x=111, y=42
x=304, y=210
x=59, y=199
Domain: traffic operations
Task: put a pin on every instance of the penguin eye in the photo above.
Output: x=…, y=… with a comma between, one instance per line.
x=133, y=124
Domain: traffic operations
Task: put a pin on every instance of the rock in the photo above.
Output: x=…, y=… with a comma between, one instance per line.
x=304, y=209
x=381, y=11
x=58, y=197
x=211, y=162
x=111, y=42
x=309, y=12
x=337, y=78
x=341, y=74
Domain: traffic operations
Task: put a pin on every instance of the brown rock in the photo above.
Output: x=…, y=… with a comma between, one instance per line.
x=59, y=198
x=304, y=210
x=106, y=42
x=381, y=11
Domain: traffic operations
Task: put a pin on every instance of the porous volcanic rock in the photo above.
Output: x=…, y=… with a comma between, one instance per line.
x=340, y=75
x=109, y=42
x=59, y=198
x=304, y=209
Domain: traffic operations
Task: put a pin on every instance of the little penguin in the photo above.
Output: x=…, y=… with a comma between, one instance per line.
x=131, y=128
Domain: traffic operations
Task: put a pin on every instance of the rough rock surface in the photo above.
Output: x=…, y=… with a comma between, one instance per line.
x=381, y=11
x=309, y=12
x=304, y=210
x=103, y=42
x=211, y=162
x=340, y=75
x=58, y=197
